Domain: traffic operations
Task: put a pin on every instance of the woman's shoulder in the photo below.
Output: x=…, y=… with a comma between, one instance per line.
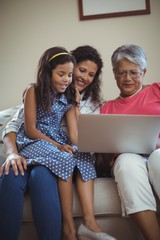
x=109, y=101
x=155, y=85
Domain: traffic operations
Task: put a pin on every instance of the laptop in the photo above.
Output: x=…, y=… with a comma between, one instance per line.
x=114, y=133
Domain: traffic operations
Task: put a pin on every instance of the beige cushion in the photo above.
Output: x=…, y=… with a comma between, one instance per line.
x=106, y=200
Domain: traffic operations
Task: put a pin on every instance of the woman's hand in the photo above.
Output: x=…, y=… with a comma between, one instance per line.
x=15, y=161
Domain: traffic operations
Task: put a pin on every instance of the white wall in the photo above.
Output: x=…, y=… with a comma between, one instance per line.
x=28, y=28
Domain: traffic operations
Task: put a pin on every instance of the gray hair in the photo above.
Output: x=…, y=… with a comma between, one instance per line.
x=132, y=53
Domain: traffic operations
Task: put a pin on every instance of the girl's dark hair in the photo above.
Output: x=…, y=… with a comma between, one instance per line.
x=44, y=73
x=84, y=53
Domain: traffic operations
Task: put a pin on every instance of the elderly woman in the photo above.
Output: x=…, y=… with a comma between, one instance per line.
x=136, y=174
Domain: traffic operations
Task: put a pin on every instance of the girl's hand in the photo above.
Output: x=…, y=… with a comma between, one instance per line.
x=78, y=96
x=15, y=161
x=67, y=148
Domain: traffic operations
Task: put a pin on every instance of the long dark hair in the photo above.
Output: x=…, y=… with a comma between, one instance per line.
x=44, y=73
x=84, y=53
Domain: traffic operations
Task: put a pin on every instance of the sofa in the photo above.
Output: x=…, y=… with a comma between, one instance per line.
x=107, y=205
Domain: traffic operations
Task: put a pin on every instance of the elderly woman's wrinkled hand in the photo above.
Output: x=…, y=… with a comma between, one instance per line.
x=15, y=161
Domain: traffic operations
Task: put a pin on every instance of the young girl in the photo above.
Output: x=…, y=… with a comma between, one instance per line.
x=41, y=140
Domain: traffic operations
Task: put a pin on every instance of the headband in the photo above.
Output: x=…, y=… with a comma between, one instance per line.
x=58, y=54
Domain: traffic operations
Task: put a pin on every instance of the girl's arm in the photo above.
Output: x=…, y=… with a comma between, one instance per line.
x=72, y=124
x=30, y=115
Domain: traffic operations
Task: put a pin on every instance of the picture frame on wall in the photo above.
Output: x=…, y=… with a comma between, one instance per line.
x=96, y=9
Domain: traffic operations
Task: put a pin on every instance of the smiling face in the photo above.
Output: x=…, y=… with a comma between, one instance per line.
x=129, y=77
x=84, y=73
x=62, y=77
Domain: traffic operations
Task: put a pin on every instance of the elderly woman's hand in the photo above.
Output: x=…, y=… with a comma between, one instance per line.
x=15, y=161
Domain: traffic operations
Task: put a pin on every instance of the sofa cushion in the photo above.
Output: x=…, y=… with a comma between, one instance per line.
x=106, y=200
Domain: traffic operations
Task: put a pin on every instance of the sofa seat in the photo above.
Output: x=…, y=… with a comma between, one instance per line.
x=107, y=208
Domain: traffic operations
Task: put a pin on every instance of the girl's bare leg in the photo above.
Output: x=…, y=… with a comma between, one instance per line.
x=86, y=196
x=148, y=224
x=66, y=198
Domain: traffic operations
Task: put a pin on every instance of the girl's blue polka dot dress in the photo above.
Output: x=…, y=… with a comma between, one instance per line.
x=39, y=151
